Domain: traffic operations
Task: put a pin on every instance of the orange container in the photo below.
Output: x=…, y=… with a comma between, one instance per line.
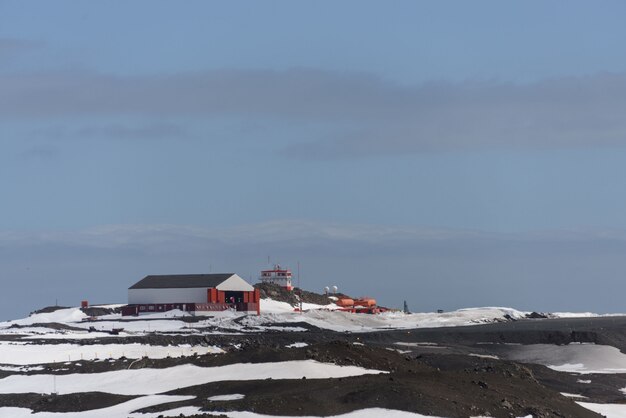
x=365, y=302
x=345, y=303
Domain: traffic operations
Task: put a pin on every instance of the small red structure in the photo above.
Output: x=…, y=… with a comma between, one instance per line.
x=84, y=304
x=243, y=301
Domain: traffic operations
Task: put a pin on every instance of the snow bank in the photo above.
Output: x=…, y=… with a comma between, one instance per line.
x=574, y=315
x=137, y=326
x=272, y=311
x=361, y=413
x=151, y=381
x=322, y=316
x=328, y=318
x=61, y=316
x=274, y=306
x=573, y=395
x=606, y=409
x=344, y=321
x=297, y=345
x=572, y=358
x=20, y=353
x=231, y=397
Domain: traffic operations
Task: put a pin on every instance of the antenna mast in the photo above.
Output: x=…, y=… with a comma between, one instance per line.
x=300, y=288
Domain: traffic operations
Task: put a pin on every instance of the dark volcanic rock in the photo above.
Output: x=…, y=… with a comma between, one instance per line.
x=49, y=309
x=536, y=315
x=74, y=402
x=466, y=386
x=431, y=384
x=99, y=311
x=273, y=291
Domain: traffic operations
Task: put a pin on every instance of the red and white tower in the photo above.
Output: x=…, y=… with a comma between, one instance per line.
x=277, y=275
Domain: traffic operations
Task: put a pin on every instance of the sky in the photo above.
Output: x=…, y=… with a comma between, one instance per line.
x=448, y=153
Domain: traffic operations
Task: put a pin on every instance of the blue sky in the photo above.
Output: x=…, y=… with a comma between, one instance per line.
x=449, y=153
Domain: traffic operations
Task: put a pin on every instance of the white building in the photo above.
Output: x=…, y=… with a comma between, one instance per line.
x=189, y=289
x=278, y=275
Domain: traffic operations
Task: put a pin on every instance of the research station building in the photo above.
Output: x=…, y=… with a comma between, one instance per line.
x=191, y=293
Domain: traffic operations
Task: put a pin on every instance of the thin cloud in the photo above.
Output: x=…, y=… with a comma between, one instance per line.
x=433, y=268
x=321, y=237
x=13, y=45
x=40, y=152
x=115, y=131
x=361, y=114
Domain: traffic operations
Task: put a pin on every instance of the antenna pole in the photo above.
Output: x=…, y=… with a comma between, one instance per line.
x=299, y=288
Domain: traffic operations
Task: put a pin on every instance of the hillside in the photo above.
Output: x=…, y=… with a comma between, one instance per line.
x=314, y=363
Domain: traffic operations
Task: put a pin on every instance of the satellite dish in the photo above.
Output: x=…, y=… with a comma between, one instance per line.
x=326, y=290
x=335, y=288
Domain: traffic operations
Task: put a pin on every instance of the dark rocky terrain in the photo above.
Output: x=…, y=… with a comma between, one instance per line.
x=445, y=372
x=449, y=385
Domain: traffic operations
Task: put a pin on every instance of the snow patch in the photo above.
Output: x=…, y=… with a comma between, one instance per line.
x=20, y=353
x=573, y=395
x=124, y=409
x=485, y=356
x=606, y=409
x=572, y=358
x=231, y=397
x=151, y=381
x=297, y=345
x=361, y=413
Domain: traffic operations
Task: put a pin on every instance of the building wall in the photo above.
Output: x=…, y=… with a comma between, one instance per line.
x=235, y=283
x=176, y=295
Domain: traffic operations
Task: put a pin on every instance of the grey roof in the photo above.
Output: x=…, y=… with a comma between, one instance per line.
x=181, y=280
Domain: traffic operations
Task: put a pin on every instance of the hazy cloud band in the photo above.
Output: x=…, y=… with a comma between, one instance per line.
x=363, y=114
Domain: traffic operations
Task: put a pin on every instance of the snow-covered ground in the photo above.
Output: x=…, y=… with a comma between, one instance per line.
x=231, y=397
x=606, y=409
x=153, y=381
x=125, y=410
x=22, y=353
x=362, y=413
x=322, y=316
x=573, y=358
x=120, y=410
